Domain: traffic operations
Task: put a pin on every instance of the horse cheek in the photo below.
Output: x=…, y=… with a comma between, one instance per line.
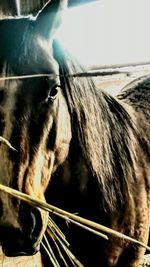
x=64, y=133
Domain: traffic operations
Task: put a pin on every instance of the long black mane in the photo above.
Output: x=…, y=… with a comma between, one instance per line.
x=105, y=131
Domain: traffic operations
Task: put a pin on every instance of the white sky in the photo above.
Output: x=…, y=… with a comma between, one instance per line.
x=108, y=32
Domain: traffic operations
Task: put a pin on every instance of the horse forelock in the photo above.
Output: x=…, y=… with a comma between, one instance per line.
x=104, y=130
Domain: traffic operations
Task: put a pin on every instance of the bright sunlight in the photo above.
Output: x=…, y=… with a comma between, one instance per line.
x=108, y=32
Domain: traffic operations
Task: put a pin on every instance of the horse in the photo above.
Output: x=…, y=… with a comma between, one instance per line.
x=76, y=146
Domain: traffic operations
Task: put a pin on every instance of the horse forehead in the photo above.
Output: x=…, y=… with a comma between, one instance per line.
x=35, y=53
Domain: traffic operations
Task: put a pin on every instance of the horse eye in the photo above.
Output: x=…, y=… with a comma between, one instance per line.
x=53, y=93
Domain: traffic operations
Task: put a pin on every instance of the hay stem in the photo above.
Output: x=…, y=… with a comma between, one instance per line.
x=67, y=215
x=84, y=226
x=7, y=143
x=52, y=225
x=50, y=255
x=58, y=249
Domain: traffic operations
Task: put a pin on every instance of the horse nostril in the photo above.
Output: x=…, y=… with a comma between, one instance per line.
x=15, y=243
x=31, y=217
x=36, y=222
x=33, y=221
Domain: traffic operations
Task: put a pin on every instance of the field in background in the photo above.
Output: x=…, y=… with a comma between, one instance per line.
x=113, y=80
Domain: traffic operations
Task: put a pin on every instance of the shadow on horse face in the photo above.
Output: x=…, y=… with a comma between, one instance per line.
x=35, y=119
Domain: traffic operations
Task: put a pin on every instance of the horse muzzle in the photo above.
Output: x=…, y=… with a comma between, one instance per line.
x=23, y=239
x=15, y=243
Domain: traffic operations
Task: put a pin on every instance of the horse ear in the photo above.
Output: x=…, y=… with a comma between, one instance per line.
x=50, y=16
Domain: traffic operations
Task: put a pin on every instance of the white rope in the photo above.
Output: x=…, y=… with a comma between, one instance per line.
x=80, y=74
x=26, y=76
x=18, y=7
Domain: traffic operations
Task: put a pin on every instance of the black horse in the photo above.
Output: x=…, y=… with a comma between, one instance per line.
x=77, y=147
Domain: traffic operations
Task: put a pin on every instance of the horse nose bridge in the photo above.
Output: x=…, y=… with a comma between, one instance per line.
x=8, y=213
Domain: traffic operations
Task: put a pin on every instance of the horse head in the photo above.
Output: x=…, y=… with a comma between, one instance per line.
x=34, y=118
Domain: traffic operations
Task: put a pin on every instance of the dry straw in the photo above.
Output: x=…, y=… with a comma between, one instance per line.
x=69, y=216
x=4, y=141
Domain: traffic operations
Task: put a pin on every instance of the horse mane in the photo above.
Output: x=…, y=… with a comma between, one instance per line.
x=105, y=131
